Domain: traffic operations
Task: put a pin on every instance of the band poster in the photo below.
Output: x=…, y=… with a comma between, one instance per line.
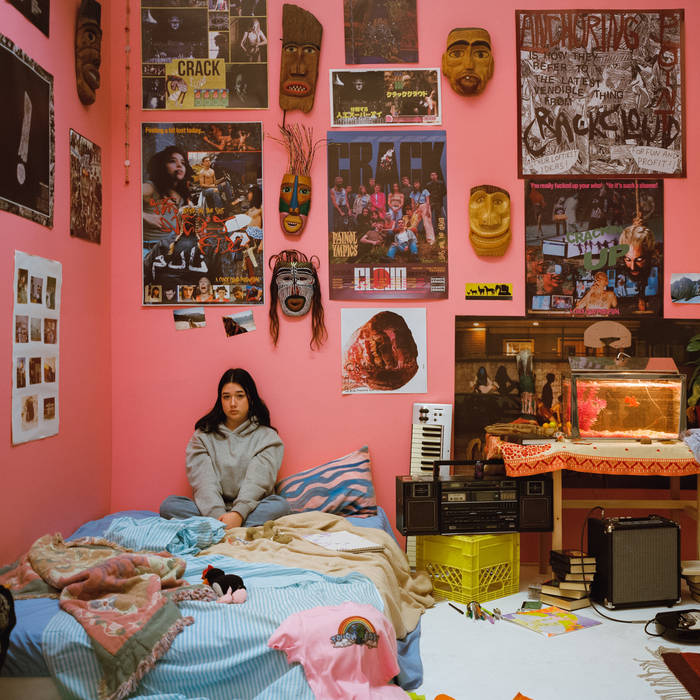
x=202, y=214
x=601, y=93
x=387, y=215
x=385, y=97
x=35, y=347
x=204, y=54
x=27, y=137
x=85, y=188
x=594, y=248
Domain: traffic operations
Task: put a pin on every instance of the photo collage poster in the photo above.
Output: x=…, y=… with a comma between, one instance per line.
x=204, y=54
x=27, y=137
x=85, y=188
x=202, y=213
x=594, y=247
x=385, y=97
x=35, y=347
x=601, y=93
x=387, y=215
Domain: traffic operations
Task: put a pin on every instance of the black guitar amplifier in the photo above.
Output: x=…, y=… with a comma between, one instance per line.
x=638, y=561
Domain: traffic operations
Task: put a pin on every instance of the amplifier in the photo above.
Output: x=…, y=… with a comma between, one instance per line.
x=638, y=561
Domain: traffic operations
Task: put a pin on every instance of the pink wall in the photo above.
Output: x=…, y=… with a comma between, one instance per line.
x=54, y=484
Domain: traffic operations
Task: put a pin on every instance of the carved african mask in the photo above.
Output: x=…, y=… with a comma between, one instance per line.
x=88, y=50
x=489, y=220
x=468, y=62
x=295, y=288
x=295, y=202
x=301, y=48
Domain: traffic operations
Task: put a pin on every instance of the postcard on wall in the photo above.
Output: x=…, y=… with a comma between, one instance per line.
x=202, y=213
x=204, y=54
x=601, y=93
x=27, y=136
x=36, y=11
x=594, y=247
x=192, y=317
x=35, y=347
x=685, y=287
x=384, y=351
x=85, y=188
x=385, y=97
x=380, y=31
x=241, y=322
x=387, y=215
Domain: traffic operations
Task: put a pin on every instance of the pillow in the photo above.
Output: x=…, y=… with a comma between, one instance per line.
x=343, y=487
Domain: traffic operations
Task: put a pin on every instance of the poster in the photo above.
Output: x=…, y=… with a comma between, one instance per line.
x=594, y=247
x=204, y=54
x=202, y=214
x=387, y=215
x=600, y=93
x=35, y=347
x=384, y=351
x=27, y=137
x=36, y=11
x=380, y=31
x=385, y=97
x=85, y=188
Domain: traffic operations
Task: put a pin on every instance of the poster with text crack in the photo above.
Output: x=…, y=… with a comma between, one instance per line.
x=600, y=92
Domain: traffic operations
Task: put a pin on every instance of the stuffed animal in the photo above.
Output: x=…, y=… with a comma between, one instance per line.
x=267, y=531
x=228, y=587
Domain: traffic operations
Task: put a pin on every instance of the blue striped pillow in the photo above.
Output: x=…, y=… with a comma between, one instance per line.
x=343, y=487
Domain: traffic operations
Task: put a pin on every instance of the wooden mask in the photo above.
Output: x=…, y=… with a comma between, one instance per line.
x=295, y=202
x=468, y=62
x=88, y=50
x=301, y=50
x=489, y=220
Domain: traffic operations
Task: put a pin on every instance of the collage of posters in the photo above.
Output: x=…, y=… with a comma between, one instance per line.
x=204, y=54
x=202, y=213
x=35, y=347
x=387, y=215
x=85, y=188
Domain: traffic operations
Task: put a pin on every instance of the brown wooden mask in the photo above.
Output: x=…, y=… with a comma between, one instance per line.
x=301, y=50
x=468, y=61
x=88, y=50
x=489, y=220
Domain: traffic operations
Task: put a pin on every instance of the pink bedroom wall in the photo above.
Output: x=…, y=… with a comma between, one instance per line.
x=163, y=380
x=54, y=484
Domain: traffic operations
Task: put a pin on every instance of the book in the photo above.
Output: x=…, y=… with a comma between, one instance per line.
x=550, y=621
x=343, y=541
x=575, y=556
x=569, y=586
x=552, y=587
x=568, y=576
x=576, y=568
x=565, y=603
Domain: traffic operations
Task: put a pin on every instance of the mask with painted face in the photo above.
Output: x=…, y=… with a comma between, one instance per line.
x=295, y=202
x=489, y=220
x=468, y=62
x=88, y=50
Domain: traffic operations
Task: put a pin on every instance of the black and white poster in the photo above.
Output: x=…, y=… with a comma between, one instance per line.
x=36, y=11
x=600, y=93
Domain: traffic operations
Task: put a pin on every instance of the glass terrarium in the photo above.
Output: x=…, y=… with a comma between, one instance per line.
x=624, y=397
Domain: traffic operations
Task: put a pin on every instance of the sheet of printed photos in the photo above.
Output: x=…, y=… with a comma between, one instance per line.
x=204, y=54
x=85, y=188
x=35, y=347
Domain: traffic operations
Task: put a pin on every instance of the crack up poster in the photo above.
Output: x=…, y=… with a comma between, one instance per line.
x=387, y=215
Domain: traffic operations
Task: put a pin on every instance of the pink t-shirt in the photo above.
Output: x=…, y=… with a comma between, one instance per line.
x=348, y=651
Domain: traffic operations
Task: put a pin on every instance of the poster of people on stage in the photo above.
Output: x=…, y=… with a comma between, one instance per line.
x=387, y=215
x=85, y=188
x=601, y=93
x=385, y=97
x=35, y=347
x=202, y=214
x=204, y=54
x=594, y=247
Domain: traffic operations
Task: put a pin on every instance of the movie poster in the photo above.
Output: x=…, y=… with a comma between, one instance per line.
x=202, y=214
x=26, y=137
x=384, y=351
x=594, y=247
x=204, y=54
x=387, y=215
x=36, y=11
x=380, y=31
x=35, y=347
x=385, y=97
x=85, y=188
x=601, y=93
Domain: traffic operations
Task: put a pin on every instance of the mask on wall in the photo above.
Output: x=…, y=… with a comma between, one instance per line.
x=489, y=220
x=295, y=286
x=301, y=49
x=468, y=62
x=88, y=50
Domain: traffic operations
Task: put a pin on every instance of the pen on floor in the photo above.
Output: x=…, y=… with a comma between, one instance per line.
x=461, y=612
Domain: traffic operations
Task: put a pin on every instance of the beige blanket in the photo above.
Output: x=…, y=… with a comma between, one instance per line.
x=405, y=595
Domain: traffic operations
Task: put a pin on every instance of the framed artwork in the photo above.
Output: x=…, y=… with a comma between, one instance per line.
x=85, y=188
x=601, y=93
x=36, y=11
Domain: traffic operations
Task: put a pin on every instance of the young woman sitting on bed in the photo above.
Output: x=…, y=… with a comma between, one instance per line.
x=233, y=460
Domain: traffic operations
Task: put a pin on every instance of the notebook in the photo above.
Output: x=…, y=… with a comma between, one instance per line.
x=344, y=542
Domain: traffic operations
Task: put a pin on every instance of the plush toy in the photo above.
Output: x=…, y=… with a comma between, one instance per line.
x=268, y=531
x=228, y=587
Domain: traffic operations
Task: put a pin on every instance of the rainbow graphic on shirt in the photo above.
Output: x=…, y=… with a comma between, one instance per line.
x=355, y=630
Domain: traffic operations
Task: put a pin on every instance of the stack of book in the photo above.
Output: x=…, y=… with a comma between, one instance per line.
x=573, y=571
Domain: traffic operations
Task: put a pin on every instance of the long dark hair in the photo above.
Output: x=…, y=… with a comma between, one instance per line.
x=156, y=171
x=258, y=412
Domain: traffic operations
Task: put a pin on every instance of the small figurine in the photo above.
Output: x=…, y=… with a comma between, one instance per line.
x=88, y=50
x=228, y=587
x=468, y=62
x=489, y=220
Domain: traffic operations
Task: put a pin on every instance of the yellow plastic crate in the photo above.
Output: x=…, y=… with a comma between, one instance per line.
x=471, y=567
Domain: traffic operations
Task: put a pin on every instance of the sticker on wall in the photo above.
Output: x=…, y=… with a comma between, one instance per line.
x=85, y=188
x=212, y=56
x=241, y=322
x=27, y=136
x=685, y=288
x=502, y=291
x=36, y=11
x=35, y=347
x=384, y=351
x=385, y=97
x=192, y=317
